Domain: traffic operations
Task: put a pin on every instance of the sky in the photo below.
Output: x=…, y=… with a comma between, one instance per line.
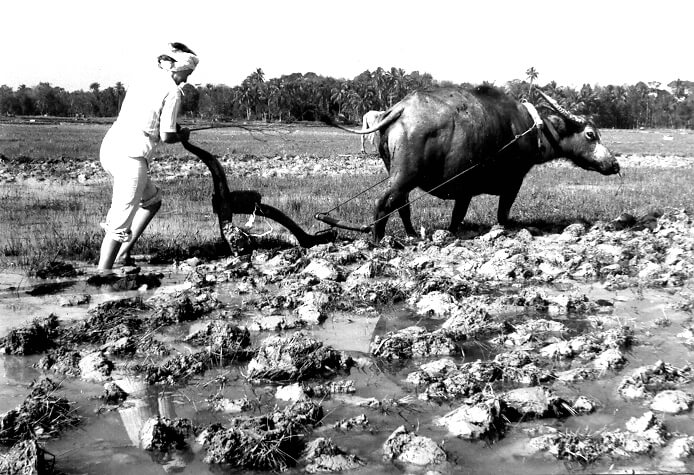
x=74, y=43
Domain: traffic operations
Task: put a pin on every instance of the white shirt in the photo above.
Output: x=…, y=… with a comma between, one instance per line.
x=150, y=108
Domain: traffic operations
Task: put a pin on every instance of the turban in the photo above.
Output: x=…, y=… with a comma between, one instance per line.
x=178, y=58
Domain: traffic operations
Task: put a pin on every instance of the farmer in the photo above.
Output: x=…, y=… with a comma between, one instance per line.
x=147, y=116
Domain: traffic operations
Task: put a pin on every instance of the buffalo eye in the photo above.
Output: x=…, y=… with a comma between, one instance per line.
x=590, y=135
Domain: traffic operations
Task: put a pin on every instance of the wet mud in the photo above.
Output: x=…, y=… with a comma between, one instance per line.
x=515, y=349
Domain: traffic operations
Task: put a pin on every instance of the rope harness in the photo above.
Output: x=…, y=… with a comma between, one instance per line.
x=538, y=124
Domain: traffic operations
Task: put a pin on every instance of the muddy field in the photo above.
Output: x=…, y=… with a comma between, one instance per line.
x=507, y=351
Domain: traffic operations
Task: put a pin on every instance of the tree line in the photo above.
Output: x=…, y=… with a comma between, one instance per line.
x=309, y=96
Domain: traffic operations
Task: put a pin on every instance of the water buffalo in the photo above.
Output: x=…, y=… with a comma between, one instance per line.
x=457, y=143
x=368, y=120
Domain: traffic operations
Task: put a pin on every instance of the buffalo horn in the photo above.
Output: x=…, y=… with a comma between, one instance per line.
x=555, y=105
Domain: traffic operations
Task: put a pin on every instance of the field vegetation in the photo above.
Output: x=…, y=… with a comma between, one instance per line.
x=47, y=214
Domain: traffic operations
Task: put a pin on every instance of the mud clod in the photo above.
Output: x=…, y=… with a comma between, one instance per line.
x=405, y=446
x=56, y=269
x=269, y=442
x=648, y=380
x=360, y=422
x=32, y=339
x=643, y=435
x=113, y=394
x=534, y=402
x=163, y=434
x=414, y=342
x=476, y=420
x=296, y=357
x=42, y=414
x=227, y=341
x=322, y=455
x=26, y=458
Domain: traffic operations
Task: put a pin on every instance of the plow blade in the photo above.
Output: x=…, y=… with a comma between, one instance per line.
x=338, y=223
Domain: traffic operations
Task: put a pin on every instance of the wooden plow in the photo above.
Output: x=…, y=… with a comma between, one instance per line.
x=226, y=202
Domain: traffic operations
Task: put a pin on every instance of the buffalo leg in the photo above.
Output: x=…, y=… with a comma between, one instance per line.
x=506, y=200
x=459, y=211
x=386, y=205
x=406, y=217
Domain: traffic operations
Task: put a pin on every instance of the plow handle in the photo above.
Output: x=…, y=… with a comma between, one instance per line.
x=338, y=223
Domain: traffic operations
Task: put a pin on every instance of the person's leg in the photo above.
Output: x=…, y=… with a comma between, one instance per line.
x=107, y=254
x=142, y=218
x=129, y=182
x=148, y=207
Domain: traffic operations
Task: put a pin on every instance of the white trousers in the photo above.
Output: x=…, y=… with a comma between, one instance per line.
x=132, y=187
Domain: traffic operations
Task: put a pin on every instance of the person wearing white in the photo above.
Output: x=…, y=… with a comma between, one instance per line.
x=147, y=117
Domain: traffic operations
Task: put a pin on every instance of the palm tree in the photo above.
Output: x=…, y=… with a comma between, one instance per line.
x=397, y=79
x=339, y=95
x=378, y=81
x=257, y=76
x=532, y=74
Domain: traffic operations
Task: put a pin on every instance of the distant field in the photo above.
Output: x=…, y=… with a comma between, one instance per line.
x=650, y=142
x=45, y=222
x=82, y=140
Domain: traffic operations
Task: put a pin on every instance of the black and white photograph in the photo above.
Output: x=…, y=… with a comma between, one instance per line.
x=363, y=237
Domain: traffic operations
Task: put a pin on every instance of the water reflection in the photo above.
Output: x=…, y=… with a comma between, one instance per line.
x=139, y=408
x=17, y=369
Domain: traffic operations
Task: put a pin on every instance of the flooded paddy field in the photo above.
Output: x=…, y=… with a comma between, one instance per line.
x=494, y=350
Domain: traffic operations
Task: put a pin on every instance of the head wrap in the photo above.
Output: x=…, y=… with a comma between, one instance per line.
x=178, y=58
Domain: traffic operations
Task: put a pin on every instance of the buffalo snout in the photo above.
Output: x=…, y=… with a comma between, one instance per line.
x=609, y=166
x=615, y=168
x=604, y=160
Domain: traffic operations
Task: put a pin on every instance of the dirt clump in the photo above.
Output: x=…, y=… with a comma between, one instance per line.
x=125, y=281
x=164, y=434
x=296, y=357
x=113, y=394
x=413, y=342
x=360, y=422
x=643, y=435
x=468, y=379
x=61, y=361
x=56, y=269
x=107, y=322
x=175, y=369
x=183, y=307
x=27, y=458
x=534, y=402
x=477, y=418
x=272, y=441
x=322, y=455
x=34, y=338
x=645, y=381
x=41, y=414
x=408, y=447
x=225, y=340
